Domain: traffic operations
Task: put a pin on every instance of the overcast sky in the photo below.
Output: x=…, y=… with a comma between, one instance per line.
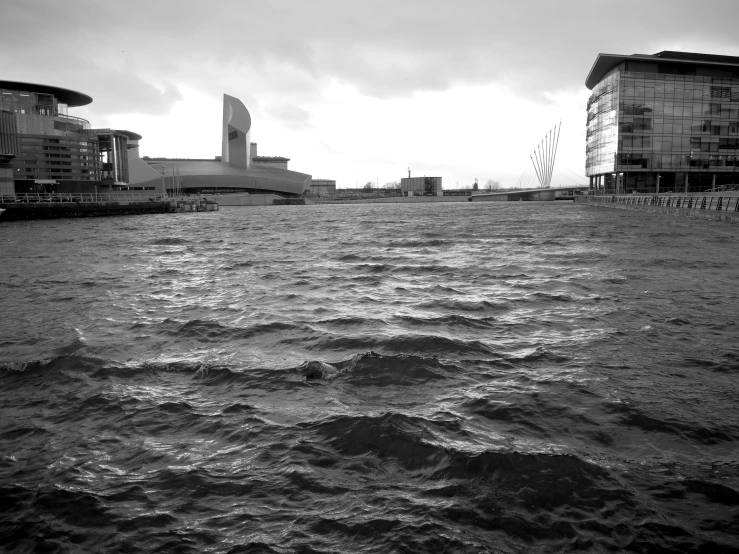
x=352, y=91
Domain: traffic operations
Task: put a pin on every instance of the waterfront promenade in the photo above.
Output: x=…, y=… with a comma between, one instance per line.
x=720, y=206
x=17, y=207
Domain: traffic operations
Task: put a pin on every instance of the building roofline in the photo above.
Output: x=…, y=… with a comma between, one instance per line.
x=130, y=135
x=605, y=62
x=69, y=97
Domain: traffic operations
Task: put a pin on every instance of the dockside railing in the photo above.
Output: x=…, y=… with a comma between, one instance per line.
x=725, y=203
x=83, y=197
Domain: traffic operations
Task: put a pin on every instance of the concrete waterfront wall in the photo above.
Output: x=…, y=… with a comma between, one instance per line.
x=44, y=210
x=716, y=206
x=240, y=199
x=243, y=199
x=492, y=198
x=393, y=200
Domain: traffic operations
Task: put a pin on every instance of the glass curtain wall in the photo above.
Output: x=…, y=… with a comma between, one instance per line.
x=682, y=128
x=602, y=126
x=74, y=157
x=27, y=102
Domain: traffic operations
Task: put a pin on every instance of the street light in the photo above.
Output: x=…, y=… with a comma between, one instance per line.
x=164, y=186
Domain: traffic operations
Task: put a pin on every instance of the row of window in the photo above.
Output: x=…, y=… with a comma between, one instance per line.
x=650, y=85
x=675, y=109
x=32, y=140
x=643, y=90
x=36, y=171
x=51, y=158
x=27, y=102
x=648, y=76
x=640, y=125
x=629, y=162
x=673, y=144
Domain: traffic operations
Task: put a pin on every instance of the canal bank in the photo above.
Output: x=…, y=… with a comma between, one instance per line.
x=23, y=207
x=718, y=206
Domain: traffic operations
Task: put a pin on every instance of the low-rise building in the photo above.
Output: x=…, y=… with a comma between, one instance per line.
x=421, y=186
x=322, y=187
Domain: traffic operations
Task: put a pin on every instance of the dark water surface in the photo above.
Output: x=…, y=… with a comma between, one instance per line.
x=379, y=378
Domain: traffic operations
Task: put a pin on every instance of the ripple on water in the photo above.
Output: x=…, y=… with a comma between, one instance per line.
x=372, y=378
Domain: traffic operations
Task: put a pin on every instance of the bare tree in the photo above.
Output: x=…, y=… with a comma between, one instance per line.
x=368, y=186
x=391, y=185
x=492, y=185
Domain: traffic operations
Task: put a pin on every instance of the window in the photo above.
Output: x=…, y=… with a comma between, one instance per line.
x=721, y=92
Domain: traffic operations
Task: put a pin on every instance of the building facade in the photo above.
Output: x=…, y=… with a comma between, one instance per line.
x=44, y=149
x=322, y=187
x=237, y=170
x=666, y=122
x=421, y=186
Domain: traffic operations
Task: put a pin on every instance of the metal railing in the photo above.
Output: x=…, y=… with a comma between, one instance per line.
x=78, y=120
x=83, y=197
x=689, y=202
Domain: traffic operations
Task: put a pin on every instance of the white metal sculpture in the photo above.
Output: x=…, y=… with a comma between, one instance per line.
x=544, y=155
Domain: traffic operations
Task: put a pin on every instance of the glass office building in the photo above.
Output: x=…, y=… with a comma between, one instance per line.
x=667, y=122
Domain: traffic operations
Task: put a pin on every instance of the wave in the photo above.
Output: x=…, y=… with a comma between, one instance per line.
x=449, y=320
x=54, y=364
x=420, y=345
x=631, y=416
x=433, y=243
x=212, y=330
x=727, y=363
x=237, y=265
x=166, y=241
x=484, y=306
x=373, y=369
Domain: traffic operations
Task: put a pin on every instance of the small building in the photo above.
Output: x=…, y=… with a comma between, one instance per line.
x=421, y=186
x=322, y=187
x=271, y=161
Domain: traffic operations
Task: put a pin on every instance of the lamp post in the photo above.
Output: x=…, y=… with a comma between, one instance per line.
x=687, y=174
x=164, y=185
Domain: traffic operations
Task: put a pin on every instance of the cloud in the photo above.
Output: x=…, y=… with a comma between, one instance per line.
x=385, y=49
x=290, y=115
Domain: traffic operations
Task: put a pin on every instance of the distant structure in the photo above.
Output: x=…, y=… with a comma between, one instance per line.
x=43, y=149
x=662, y=122
x=236, y=141
x=238, y=169
x=544, y=155
x=421, y=186
x=322, y=187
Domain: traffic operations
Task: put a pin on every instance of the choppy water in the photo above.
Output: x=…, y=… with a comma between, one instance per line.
x=378, y=378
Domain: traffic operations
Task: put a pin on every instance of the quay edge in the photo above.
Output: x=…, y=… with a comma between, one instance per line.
x=714, y=206
x=49, y=207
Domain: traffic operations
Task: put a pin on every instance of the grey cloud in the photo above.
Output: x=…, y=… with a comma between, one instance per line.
x=290, y=115
x=384, y=48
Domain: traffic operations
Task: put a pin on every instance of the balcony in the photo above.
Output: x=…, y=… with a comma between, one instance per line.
x=76, y=120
